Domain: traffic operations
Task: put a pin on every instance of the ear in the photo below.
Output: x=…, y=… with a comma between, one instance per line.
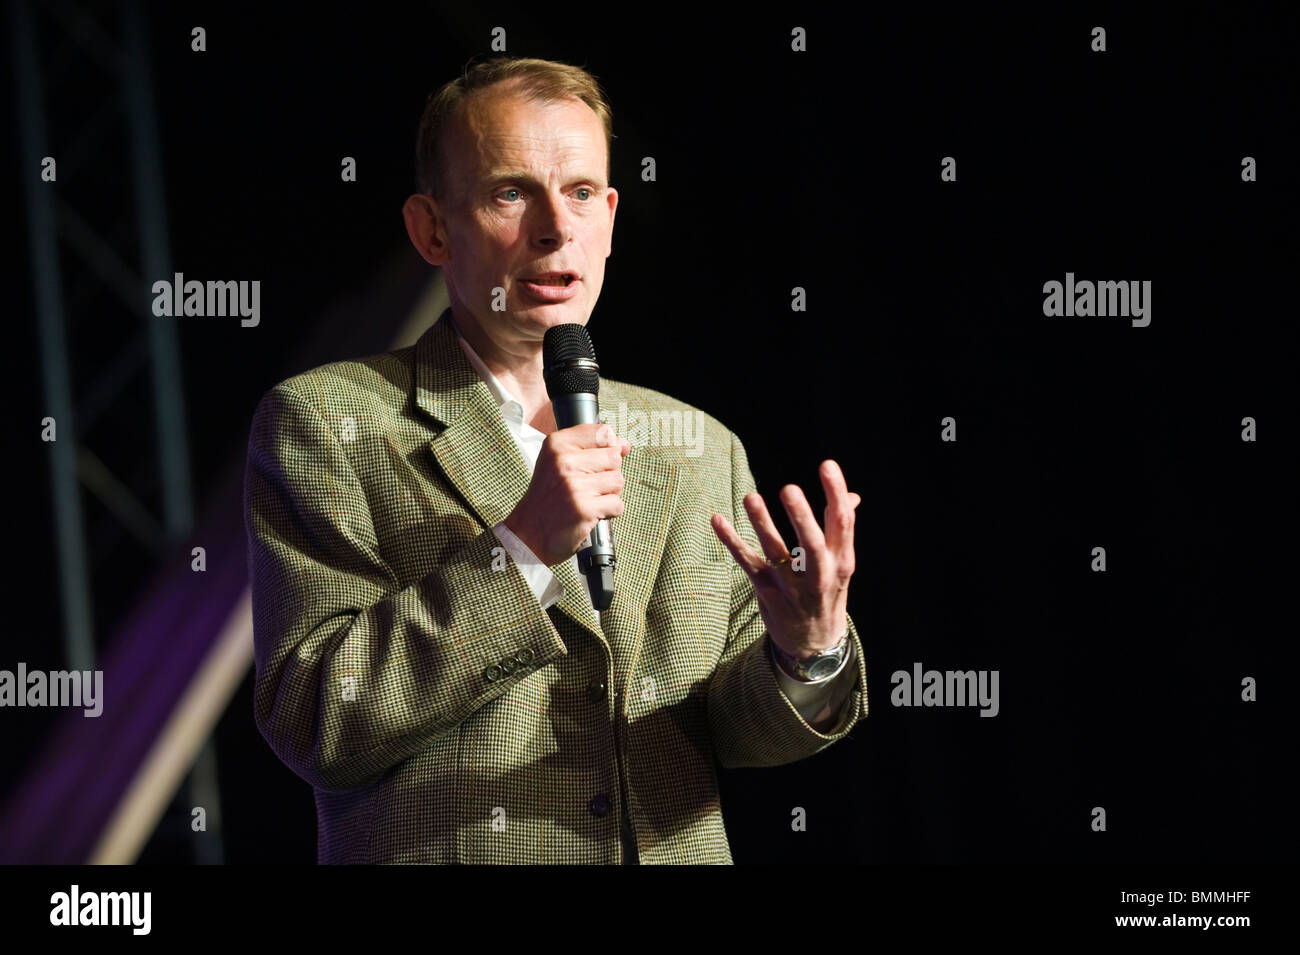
x=613, y=207
x=424, y=226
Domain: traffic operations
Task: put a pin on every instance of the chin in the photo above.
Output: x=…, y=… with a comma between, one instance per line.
x=557, y=313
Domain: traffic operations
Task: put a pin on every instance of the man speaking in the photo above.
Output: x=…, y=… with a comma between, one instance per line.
x=428, y=655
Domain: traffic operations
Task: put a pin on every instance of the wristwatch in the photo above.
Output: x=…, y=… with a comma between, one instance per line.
x=817, y=666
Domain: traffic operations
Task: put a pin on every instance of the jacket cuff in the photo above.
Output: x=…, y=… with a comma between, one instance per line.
x=810, y=698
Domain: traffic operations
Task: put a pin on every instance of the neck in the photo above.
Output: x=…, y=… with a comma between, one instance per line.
x=518, y=366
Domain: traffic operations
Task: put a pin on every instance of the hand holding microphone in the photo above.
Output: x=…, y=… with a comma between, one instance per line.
x=577, y=481
x=578, y=478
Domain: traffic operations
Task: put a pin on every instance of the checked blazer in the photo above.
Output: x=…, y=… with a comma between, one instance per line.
x=407, y=672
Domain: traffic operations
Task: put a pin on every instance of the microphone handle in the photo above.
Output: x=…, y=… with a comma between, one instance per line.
x=596, y=558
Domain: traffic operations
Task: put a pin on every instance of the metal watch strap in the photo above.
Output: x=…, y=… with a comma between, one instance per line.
x=797, y=669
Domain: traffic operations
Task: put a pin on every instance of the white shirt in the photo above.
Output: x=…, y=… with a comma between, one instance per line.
x=808, y=698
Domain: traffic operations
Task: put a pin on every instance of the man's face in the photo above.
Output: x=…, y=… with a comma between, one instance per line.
x=528, y=193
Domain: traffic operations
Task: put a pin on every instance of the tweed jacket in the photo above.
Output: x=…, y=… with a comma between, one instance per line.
x=406, y=671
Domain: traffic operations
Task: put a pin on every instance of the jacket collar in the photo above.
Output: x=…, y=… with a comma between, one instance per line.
x=477, y=455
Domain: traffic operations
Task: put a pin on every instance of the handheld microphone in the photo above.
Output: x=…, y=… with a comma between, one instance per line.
x=573, y=382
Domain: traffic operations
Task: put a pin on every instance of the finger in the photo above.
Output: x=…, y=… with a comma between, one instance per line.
x=749, y=559
x=608, y=506
x=768, y=536
x=839, y=508
x=594, y=460
x=600, y=483
x=594, y=434
x=804, y=521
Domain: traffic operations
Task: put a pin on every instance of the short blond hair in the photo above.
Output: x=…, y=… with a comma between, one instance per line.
x=544, y=81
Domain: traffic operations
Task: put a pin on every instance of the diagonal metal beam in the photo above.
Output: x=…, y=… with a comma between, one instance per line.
x=119, y=500
x=101, y=258
x=89, y=35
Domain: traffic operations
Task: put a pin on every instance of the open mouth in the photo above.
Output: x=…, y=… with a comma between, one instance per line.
x=551, y=287
x=553, y=279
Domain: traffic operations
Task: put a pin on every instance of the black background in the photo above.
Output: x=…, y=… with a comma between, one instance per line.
x=821, y=170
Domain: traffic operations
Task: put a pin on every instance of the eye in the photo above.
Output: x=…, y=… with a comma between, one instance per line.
x=584, y=189
x=506, y=193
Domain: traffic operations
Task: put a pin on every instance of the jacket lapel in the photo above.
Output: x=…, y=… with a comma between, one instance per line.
x=477, y=453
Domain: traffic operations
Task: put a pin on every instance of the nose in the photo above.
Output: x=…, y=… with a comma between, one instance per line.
x=553, y=228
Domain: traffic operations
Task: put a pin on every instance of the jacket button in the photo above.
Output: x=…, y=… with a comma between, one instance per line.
x=596, y=691
x=599, y=805
x=524, y=657
x=508, y=665
x=492, y=673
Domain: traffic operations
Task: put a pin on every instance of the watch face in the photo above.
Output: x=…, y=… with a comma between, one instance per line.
x=823, y=668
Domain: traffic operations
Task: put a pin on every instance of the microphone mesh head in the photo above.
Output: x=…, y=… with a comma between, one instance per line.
x=562, y=344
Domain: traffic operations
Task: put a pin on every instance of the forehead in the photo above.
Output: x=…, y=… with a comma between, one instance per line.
x=502, y=128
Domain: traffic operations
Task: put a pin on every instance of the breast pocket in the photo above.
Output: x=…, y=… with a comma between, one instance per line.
x=687, y=621
x=706, y=605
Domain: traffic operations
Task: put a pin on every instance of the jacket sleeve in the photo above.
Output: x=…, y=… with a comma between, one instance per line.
x=751, y=720
x=354, y=671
